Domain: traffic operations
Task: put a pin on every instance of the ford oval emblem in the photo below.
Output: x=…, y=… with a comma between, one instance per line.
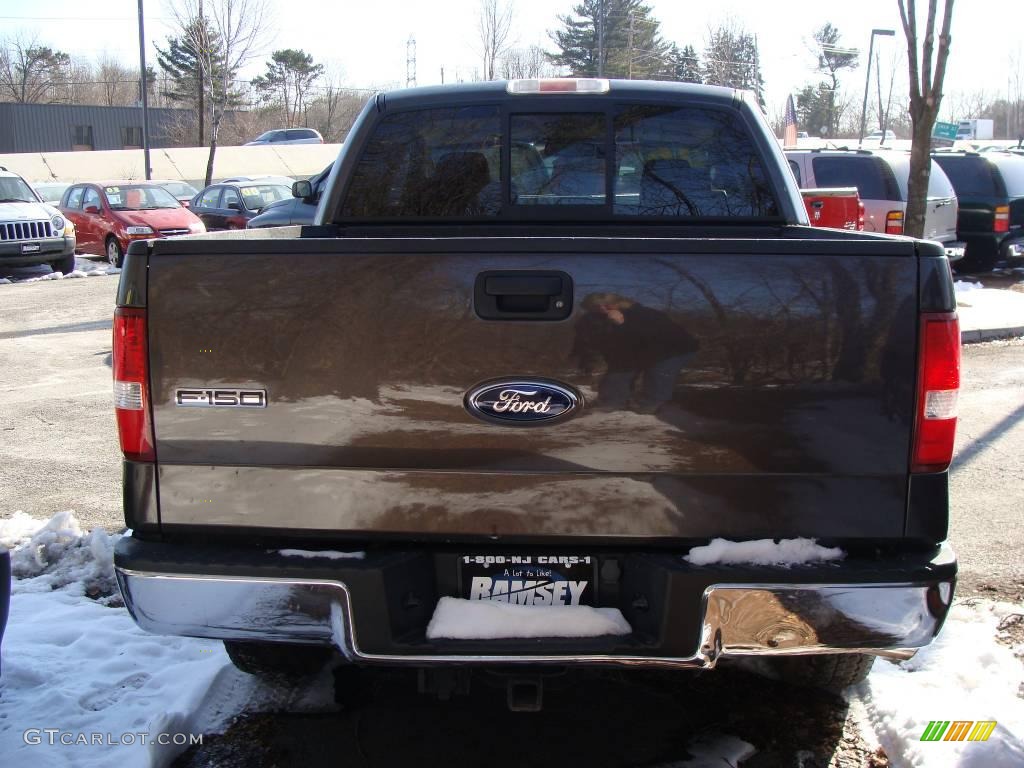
x=521, y=402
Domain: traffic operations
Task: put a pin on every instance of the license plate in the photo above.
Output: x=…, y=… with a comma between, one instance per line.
x=30, y=248
x=530, y=579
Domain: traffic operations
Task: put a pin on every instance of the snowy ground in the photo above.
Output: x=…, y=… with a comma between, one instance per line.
x=84, y=267
x=75, y=667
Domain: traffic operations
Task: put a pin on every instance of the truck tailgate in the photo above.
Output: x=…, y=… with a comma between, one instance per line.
x=765, y=389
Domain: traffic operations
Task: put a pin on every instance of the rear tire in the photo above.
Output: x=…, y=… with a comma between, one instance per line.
x=114, y=253
x=830, y=672
x=277, y=661
x=65, y=266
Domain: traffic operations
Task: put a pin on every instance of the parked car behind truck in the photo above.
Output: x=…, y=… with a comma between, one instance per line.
x=109, y=215
x=31, y=231
x=549, y=381
x=990, y=189
x=881, y=177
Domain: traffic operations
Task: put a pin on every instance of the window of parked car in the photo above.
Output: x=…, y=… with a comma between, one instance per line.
x=230, y=196
x=75, y=198
x=13, y=188
x=1012, y=171
x=136, y=197
x=972, y=176
x=209, y=197
x=795, y=168
x=258, y=195
x=92, y=197
x=300, y=133
x=871, y=175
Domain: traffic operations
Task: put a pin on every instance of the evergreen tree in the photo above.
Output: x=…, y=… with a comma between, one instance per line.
x=632, y=45
x=684, y=65
x=832, y=58
x=183, y=62
x=813, y=106
x=289, y=76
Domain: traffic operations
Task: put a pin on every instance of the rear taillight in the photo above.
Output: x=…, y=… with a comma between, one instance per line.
x=131, y=384
x=894, y=223
x=938, y=385
x=860, y=215
x=1002, y=220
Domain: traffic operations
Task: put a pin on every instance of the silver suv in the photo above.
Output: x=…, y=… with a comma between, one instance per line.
x=288, y=136
x=881, y=177
x=32, y=232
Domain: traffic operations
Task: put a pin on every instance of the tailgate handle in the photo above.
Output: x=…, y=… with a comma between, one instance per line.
x=528, y=285
x=521, y=295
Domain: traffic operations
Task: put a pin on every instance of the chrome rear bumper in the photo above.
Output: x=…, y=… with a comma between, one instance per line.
x=891, y=619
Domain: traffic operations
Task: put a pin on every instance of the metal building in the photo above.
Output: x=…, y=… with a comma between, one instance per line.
x=67, y=127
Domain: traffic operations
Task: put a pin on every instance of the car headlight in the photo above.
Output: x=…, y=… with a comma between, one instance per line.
x=58, y=223
x=139, y=230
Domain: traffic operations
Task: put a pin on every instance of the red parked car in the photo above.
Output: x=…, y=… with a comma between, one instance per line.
x=111, y=214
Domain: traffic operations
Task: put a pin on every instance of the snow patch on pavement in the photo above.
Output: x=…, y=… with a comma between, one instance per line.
x=329, y=554
x=714, y=751
x=965, y=286
x=457, y=619
x=81, y=667
x=786, y=552
x=963, y=675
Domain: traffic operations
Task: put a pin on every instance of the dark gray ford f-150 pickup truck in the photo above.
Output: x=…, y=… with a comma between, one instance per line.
x=546, y=338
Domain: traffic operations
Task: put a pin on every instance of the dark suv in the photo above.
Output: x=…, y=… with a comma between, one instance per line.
x=990, y=189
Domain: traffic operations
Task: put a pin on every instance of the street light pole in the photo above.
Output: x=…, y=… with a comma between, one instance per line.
x=867, y=80
x=145, y=97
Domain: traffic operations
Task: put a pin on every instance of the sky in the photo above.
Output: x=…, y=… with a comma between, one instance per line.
x=365, y=42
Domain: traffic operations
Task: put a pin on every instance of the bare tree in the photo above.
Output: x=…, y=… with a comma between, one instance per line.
x=29, y=71
x=237, y=29
x=118, y=84
x=495, y=24
x=524, y=63
x=925, y=100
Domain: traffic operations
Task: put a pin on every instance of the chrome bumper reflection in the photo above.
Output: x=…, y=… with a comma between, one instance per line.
x=739, y=620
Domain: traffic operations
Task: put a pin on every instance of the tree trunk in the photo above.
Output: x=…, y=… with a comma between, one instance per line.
x=214, y=131
x=920, y=169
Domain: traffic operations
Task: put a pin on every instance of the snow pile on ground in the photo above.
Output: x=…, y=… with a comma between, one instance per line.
x=329, y=554
x=963, y=675
x=964, y=286
x=110, y=691
x=763, y=552
x=457, y=619
x=58, y=553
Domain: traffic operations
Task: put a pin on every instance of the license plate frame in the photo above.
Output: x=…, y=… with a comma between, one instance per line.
x=529, y=579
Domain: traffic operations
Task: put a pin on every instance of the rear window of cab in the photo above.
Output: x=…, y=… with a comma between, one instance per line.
x=474, y=163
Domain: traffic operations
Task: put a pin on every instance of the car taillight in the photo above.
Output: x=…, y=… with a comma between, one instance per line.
x=894, y=223
x=860, y=215
x=938, y=385
x=1002, y=221
x=131, y=384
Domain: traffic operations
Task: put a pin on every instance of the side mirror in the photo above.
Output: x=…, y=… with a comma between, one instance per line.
x=234, y=207
x=302, y=190
x=91, y=209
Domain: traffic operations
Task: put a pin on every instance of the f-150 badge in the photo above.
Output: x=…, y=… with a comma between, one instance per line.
x=222, y=398
x=521, y=402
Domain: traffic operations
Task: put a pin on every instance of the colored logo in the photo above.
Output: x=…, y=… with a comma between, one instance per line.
x=958, y=730
x=521, y=402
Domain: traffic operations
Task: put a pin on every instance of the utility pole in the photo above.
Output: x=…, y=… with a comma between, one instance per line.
x=442, y=75
x=630, y=46
x=145, y=97
x=867, y=80
x=600, y=38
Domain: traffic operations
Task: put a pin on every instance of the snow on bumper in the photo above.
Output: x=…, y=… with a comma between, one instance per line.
x=376, y=610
